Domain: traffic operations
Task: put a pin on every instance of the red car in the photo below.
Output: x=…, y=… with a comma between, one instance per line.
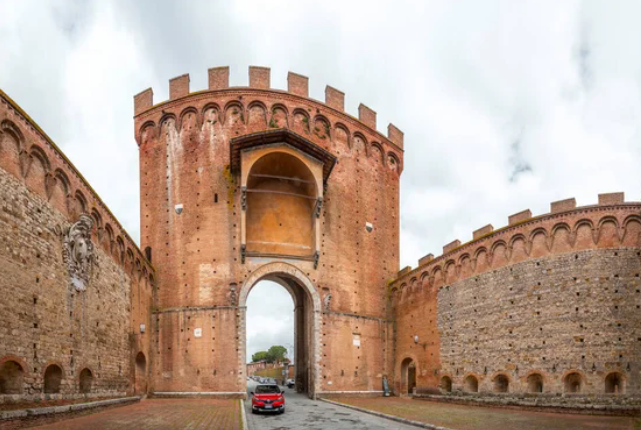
x=268, y=398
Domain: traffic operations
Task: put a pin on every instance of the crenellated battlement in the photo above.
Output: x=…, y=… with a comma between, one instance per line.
x=260, y=80
x=609, y=224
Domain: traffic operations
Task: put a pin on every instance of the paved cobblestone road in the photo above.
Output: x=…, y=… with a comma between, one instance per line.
x=303, y=413
x=159, y=414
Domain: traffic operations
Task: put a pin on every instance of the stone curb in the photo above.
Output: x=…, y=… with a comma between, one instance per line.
x=243, y=414
x=389, y=417
x=52, y=410
x=539, y=405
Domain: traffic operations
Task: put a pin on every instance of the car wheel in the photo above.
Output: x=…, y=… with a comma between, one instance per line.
x=282, y=411
x=254, y=411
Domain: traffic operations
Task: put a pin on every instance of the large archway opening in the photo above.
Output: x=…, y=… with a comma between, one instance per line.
x=270, y=332
x=304, y=307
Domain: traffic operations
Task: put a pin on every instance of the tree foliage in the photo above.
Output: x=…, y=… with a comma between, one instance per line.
x=275, y=353
x=259, y=356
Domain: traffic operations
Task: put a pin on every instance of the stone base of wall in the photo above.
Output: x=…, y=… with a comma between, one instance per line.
x=572, y=403
x=31, y=417
x=10, y=399
x=347, y=394
x=198, y=395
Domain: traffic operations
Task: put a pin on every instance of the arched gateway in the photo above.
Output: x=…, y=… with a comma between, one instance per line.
x=240, y=185
x=307, y=320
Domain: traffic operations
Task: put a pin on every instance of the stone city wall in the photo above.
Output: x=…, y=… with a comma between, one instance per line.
x=73, y=299
x=548, y=305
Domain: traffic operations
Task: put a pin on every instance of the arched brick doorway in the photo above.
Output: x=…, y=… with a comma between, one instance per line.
x=140, y=374
x=307, y=314
x=408, y=376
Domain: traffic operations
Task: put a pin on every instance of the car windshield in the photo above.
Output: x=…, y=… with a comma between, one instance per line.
x=267, y=389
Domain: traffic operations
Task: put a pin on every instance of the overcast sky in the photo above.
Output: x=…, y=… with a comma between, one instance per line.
x=505, y=105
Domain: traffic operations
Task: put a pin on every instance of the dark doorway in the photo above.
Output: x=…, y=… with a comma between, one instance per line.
x=11, y=378
x=140, y=376
x=53, y=379
x=86, y=381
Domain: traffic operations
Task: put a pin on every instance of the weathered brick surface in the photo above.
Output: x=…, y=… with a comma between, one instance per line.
x=451, y=246
x=611, y=198
x=259, y=77
x=482, y=231
x=298, y=84
x=519, y=217
x=218, y=78
x=367, y=115
x=395, y=135
x=334, y=98
x=550, y=296
x=44, y=320
x=179, y=87
x=563, y=205
x=425, y=259
x=161, y=414
x=143, y=100
x=482, y=418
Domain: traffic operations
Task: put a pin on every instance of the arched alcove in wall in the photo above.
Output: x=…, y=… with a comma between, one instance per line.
x=140, y=374
x=281, y=195
x=614, y=383
x=11, y=377
x=408, y=376
x=535, y=383
x=501, y=384
x=573, y=383
x=85, y=382
x=446, y=384
x=53, y=379
x=471, y=384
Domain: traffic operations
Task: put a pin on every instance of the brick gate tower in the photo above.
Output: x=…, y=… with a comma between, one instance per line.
x=242, y=184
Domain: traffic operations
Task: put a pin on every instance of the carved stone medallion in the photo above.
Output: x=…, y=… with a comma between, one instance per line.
x=78, y=251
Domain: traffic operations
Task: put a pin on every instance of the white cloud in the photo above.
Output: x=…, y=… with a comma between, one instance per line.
x=270, y=318
x=505, y=105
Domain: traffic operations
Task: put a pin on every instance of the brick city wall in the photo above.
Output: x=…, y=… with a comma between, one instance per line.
x=185, y=160
x=539, y=300
x=43, y=319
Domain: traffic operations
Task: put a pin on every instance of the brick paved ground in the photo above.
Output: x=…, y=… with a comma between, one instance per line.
x=461, y=417
x=160, y=414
